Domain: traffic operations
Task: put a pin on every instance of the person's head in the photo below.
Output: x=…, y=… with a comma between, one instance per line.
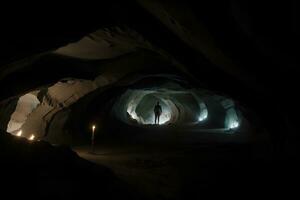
x=157, y=103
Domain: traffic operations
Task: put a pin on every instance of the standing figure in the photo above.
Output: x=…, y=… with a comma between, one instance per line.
x=157, y=112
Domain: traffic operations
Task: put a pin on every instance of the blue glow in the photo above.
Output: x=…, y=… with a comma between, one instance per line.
x=204, y=113
x=231, y=120
x=202, y=117
x=234, y=125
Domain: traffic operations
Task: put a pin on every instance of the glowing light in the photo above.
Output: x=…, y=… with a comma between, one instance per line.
x=31, y=137
x=93, y=127
x=19, y=133
x=131, y=111
x=203, y=113
x=234, y=124
x=202, y=118
x=232, y=120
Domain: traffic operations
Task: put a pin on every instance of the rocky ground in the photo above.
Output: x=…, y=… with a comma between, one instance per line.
x=37, y=169
x=174, y=172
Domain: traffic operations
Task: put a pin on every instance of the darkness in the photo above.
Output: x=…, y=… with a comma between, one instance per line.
x=245, y=52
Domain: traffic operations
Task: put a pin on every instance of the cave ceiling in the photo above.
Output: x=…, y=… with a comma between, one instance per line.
x=230, y=42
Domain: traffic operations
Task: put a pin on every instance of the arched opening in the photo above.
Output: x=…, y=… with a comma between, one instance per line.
x=26, y=104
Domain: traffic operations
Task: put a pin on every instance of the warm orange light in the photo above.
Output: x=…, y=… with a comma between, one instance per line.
x=31, y=137
x=93, y=127
x=19, y=133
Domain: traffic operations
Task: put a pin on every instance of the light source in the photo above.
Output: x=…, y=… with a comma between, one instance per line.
x=201, y=118
x=19, y=134
x=203, y=115
x=234, y=124
x=31, y=137
x=93, y=138
x=203, y=112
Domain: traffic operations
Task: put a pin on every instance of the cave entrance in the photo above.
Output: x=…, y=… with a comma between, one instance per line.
x=26, y=104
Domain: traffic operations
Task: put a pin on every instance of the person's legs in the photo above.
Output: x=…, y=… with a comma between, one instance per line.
x=155, y=118
x=158, y=119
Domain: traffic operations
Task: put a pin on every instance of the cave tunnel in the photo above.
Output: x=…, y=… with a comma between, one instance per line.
x=78, y=95
x=188, y=107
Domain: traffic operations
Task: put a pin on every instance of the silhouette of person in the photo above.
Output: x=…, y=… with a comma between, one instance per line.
x=157, y=112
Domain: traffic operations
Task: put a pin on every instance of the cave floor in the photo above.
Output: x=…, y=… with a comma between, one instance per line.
x=170, y=171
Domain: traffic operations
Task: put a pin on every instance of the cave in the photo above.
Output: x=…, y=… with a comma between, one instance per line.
x=80, y=87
